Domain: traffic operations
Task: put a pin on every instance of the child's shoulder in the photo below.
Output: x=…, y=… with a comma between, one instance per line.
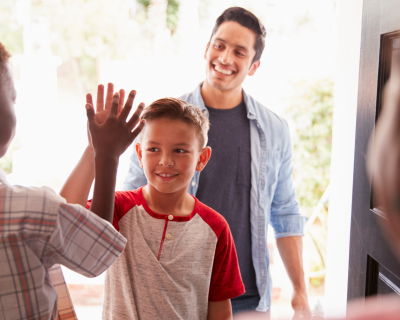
x=37, y=207
x=129, y=198
x=214, y=219
x=28, y=197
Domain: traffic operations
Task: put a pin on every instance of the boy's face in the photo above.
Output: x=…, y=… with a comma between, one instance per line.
x=7, y=113
x=229, y=56
x=169, y=153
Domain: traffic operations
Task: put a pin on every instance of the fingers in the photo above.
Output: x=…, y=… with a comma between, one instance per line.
x=121, y=100
x=89, y=99
x=109, y=97
x=100, y=98
x=91, y=116
x=128, y=105
x=114, y=106
x=138, y=129
x=135, y=117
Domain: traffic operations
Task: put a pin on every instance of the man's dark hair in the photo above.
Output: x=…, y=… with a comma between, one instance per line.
x=248, y=20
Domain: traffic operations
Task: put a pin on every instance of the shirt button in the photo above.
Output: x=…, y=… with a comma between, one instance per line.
x=169, y=236
x=170, y=217
x=193, y=183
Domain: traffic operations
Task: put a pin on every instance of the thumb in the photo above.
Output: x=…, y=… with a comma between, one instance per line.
x=90, y=116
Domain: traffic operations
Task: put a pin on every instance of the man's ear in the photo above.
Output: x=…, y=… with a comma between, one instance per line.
x=205, y=52
x=203, y=159
x=254, y=67
x=139, y=153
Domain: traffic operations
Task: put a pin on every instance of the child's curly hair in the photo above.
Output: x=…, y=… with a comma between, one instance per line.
x=177, y=109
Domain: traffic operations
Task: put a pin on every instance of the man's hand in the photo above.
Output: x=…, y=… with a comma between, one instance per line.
x=110, y=139
x=101, y=109
x=300, y=305
x=219, y=310
x=291, y=251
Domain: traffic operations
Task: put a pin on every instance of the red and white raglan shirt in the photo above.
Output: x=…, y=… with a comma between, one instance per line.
x=172, y=266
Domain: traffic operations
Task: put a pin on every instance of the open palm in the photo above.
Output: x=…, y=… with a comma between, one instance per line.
x=102, y=110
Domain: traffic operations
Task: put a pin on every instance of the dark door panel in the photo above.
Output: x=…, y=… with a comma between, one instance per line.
x=373, y=269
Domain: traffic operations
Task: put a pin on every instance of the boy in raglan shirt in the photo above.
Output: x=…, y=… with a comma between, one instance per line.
x=180, y=260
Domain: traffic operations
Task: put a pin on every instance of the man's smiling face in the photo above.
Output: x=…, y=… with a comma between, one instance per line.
x=229, y=56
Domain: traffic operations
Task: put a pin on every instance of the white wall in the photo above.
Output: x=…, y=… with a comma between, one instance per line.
x=344, y=124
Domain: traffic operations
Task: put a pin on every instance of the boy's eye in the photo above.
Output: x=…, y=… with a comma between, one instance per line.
x=153, y=149
x=180, y=151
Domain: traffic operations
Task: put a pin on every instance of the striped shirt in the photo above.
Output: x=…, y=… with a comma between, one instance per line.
x=38, y=230
x=172, y=266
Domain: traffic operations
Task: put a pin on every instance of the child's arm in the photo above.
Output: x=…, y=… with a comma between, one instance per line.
x=109, y=141
x=77, y=187
x=219, y=310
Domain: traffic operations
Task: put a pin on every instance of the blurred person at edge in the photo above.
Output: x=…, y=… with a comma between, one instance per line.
x=249, y=177
x=383, y=163
x=38, y=229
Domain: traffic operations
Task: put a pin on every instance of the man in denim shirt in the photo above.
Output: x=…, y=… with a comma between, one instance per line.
x=249, y=176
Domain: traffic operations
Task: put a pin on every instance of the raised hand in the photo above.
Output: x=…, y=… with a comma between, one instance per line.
x=111, y=135
x=102, y=109
x=110, y=139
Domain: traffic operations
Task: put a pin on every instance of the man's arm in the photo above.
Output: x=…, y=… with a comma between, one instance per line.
x=288, y=225
x=219, y=310
x=291, y=252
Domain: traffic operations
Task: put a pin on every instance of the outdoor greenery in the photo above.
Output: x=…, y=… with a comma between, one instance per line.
x=172, y=12
x=312, y=113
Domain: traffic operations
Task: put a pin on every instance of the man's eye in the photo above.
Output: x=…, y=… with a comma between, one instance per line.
x=217, y=46
x=240, y=54
x=180, y=151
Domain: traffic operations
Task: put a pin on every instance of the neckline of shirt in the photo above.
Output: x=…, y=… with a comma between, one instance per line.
x=238, y=108
x=163, y=216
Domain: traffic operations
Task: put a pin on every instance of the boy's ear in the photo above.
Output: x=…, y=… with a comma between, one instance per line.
x=203, y=159
x=254, y=68
x=139, y=153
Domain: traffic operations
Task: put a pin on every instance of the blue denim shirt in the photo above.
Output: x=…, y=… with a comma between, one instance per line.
x=272, y=196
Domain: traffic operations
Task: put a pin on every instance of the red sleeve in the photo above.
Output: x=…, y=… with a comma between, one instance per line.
x=226, y=281
x=124, y=201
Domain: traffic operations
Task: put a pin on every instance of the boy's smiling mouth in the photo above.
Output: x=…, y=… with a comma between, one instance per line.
x=166, y=176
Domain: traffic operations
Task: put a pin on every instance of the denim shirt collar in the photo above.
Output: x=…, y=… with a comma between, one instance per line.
x=251, y=114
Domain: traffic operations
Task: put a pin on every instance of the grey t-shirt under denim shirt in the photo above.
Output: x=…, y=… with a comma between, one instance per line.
x=226, y=181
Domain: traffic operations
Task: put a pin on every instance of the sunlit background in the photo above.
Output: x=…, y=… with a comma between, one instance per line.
x=63, y=49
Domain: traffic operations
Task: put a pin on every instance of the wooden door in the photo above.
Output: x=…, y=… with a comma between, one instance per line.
x=373, y=269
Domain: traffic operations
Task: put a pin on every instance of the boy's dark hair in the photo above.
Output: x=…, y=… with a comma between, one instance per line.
x=4, y=57
x=177, y=109
x=248, y=20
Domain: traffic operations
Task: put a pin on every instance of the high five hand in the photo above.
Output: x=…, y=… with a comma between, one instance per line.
x=113, y=135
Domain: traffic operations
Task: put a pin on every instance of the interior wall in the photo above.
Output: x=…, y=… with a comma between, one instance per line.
x=342, y=162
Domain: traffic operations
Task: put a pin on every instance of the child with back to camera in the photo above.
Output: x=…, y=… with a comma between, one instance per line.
x=39, y=230
x=180, y=260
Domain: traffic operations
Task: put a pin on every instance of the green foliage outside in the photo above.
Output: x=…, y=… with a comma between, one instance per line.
x=312, y=114
x=172, y=12
x=10, y=29
x=84, y=31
